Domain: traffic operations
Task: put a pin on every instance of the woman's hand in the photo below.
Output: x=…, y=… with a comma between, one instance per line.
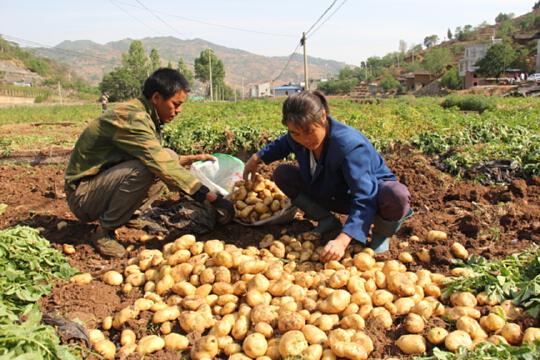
x=251, y=167
x=335, y=249
x=186, y=160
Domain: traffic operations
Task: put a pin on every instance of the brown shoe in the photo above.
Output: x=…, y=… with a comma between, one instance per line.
x=107, y=245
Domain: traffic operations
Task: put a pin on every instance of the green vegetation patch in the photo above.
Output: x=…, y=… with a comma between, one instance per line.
x=28, y=265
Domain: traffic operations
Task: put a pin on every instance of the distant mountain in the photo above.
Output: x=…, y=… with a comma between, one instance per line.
x=91, y=60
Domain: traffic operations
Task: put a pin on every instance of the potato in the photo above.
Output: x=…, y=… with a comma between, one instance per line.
x=400, y=284
x=414, y=323
x=336, y=302
x=463, y=299
x=382, y=297
x=512, y=333
x=412, y=344
x=168, y=314
x=492, y=322
x=289, y=320
x=124, y=315
x=205, y=348
x=150, y=344
x=176, y=342
x=352, y=321
x=328, y=355
x=252, y=267
x=423, y=308
x=403, y=305
x=363, y=261
x=436, y=236
x=292, y=343
x=240, y=328
x=424, y=255
x=126, y=350
x=459, y=311
x=95, y=335
x=313, y=352
x=349, y=350
x=531, y=335
x=405, y=257
x=381, y=317
x=472, y=327
x=459, y=251
x=314, y=335
x=127, y=337
x=457, y=339
x=106, y=349
x=265, y=329
x=255, y=345
x=106, y=324
x=81, y=279
x=437, y=335
x=113, y=278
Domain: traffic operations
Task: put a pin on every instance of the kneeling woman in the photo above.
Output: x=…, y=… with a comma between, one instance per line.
x=338, y=170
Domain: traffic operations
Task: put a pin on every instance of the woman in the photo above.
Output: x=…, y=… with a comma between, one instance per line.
x=338, y=170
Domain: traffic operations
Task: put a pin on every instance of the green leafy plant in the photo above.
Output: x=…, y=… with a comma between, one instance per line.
x=488, y=351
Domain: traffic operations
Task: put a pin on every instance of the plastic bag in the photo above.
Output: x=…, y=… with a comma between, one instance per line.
x=220, y=175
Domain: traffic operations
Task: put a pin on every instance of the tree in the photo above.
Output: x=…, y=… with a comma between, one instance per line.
x=503, y=17
x=120, y=84
x=506, y=29
x=202, y=68
x=389, y=82
x=136, y=61
x=536, y=6
x=155, y=61
x=497, y=59
x=431, y=40
x=437, y=60
x=452, y=80
x=449, y=34
x=184, y=70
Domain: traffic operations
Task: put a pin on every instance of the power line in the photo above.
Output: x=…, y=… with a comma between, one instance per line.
x=132, y=16
x=287, y=63
x=159, y=18
x=215, y=24
x=328, y=18
x=320, y=17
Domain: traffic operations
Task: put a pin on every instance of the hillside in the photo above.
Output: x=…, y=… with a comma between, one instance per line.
x=92, y=60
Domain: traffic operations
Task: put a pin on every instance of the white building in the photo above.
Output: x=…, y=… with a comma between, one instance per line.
x=473, y=53
x=260, y=90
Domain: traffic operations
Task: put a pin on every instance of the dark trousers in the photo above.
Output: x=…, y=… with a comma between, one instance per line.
x=113, y=195
x=393, y=198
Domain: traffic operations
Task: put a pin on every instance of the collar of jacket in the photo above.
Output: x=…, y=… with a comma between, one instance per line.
x=151, y=110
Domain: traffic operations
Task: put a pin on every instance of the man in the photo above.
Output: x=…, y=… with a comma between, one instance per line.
x=119, y=156
x=104, y=100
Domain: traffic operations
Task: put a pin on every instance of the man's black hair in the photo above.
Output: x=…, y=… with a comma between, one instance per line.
x=166, y=82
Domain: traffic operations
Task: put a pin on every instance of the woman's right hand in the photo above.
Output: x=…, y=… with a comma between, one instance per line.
x=251, y=167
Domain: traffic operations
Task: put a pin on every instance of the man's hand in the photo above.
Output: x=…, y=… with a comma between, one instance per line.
x=251, y=167
x=186, y=160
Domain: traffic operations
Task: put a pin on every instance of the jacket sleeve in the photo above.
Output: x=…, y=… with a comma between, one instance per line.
x=276, y=150
x=140, y=141
x=363, y=187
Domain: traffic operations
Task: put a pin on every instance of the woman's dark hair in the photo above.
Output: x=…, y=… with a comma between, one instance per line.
x=305, y=108
x=166, y=82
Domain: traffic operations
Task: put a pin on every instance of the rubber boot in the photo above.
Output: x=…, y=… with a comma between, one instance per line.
x=383, y=231
x=326, y=222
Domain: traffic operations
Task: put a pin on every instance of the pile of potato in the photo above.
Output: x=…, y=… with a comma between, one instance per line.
x=215, y=299
x=257, y=200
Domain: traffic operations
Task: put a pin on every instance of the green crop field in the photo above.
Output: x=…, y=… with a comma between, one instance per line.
x=503, y=128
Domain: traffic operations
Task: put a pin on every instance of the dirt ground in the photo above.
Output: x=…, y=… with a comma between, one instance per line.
x=490, y=221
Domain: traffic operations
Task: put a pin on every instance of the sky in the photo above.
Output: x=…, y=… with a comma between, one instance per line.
x=353, y=31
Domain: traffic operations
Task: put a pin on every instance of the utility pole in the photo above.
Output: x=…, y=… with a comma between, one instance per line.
x=306, y=77
x=242, y=88
x=60, y=92
x=235, y=93
x=210, y=72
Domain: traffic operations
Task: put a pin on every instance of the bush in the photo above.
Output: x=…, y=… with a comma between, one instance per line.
x=470, y=103
x=452, y=80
